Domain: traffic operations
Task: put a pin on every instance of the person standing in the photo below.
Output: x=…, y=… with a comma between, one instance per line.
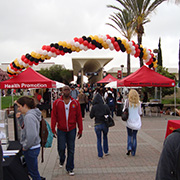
x=134, y=121
x=83, y=100
x=30, y=139
x=66, y=113
x=99, y=110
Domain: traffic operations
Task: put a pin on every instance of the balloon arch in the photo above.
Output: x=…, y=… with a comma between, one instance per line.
x=79, y=44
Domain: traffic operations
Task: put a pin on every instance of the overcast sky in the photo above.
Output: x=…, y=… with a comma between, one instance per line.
x=28, y=25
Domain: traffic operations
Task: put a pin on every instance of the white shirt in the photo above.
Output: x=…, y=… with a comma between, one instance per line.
x=67, y=109
x=134, y=119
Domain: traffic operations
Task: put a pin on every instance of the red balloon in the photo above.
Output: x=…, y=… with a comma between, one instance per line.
x=44, y=47
x=108, y=36
x=30, y=63
x=89, y=46
x=58, y=52
x=93, y=47
x=75, y=39
x=53, y=50
x=62, y=53
x=112, y=39
x=85, y=43
x=26, y=60
x=23, y=57
x=48, y=48
x=80, y=40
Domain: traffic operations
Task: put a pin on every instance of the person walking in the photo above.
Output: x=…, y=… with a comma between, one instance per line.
x=83, y=100
x=134, y=120
x=98, y=111
x=66, y=113
x=111, y=103
x=30, y=139
x=74, y=92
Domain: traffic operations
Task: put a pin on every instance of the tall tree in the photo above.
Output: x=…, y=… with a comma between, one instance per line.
x=160, y=63
x=122, y=23
x=141, y=10
x=57, y=73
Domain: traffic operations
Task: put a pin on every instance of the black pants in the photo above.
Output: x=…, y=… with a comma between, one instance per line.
x=83, y=107
x=1, y=158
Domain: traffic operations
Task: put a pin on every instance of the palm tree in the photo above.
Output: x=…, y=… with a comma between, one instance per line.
x=140, y=9
x=122, y=25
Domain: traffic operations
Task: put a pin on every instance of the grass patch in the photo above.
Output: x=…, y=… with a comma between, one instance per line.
x=170, y=101
x=7, y=101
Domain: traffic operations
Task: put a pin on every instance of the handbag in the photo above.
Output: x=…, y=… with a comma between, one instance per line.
x=125, y=114
x=109, y=121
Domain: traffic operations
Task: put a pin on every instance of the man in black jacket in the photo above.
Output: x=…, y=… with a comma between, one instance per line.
x=169, y=162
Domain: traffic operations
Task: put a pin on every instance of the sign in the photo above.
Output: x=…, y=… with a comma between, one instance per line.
x=119, y=74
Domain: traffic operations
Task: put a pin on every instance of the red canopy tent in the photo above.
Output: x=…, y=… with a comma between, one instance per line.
x=146, y=77
x=107, y=79
x=28, y=79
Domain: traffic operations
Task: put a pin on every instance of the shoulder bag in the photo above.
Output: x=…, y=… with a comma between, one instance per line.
x=109, y=121
x=125, y=113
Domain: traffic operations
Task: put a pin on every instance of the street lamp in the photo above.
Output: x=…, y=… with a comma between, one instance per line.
x=122, y=66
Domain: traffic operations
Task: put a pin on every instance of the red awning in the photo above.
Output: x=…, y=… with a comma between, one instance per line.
x=107, y=79
x=28, y=79
x=146, y=77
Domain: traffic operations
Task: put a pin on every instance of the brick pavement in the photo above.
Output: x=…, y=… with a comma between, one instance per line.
x=116, y=166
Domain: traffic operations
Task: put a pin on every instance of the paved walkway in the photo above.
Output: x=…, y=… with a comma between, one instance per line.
x=117, y=165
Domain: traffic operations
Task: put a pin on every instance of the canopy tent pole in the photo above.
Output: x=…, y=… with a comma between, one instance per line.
x=175, y=100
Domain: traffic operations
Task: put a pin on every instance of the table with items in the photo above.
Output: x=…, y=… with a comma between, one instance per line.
x=152, y=107
x=13, y=168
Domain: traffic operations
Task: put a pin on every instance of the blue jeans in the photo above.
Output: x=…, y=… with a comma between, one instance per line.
x=66, y=139
x=31, y=158
x=99, y=129
x=132, y=140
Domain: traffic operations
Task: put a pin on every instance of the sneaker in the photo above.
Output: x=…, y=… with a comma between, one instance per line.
x=43, y=178
x=106, y=154
x=61, y=165
x=100, y=158
x=71, y=173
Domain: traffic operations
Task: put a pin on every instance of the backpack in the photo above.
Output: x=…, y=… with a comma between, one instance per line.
x=110, y=102
x=46, y=136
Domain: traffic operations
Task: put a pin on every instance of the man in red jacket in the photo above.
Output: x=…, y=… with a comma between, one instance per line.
x=66, y=113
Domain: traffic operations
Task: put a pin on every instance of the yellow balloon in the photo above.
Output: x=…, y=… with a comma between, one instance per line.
x=155, y=65
x=69, y=46
x=128, y=50
x=60, y=43
x=64, y=43
x=96, y=38
x=100, y=40
x=73, y=48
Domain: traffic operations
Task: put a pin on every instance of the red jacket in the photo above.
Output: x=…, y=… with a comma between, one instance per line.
x=58, y=116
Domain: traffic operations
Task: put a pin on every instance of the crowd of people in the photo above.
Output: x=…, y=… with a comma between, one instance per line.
x=67, y=115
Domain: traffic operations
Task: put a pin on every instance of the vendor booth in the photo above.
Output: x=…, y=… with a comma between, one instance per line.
x=12, y=166
x=146, y=77
x=107, y=79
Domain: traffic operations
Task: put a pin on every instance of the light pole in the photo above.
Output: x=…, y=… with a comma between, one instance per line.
x=156, y=52
x=122, y=66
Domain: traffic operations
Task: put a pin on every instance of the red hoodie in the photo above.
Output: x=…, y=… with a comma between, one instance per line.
x=58, y=116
